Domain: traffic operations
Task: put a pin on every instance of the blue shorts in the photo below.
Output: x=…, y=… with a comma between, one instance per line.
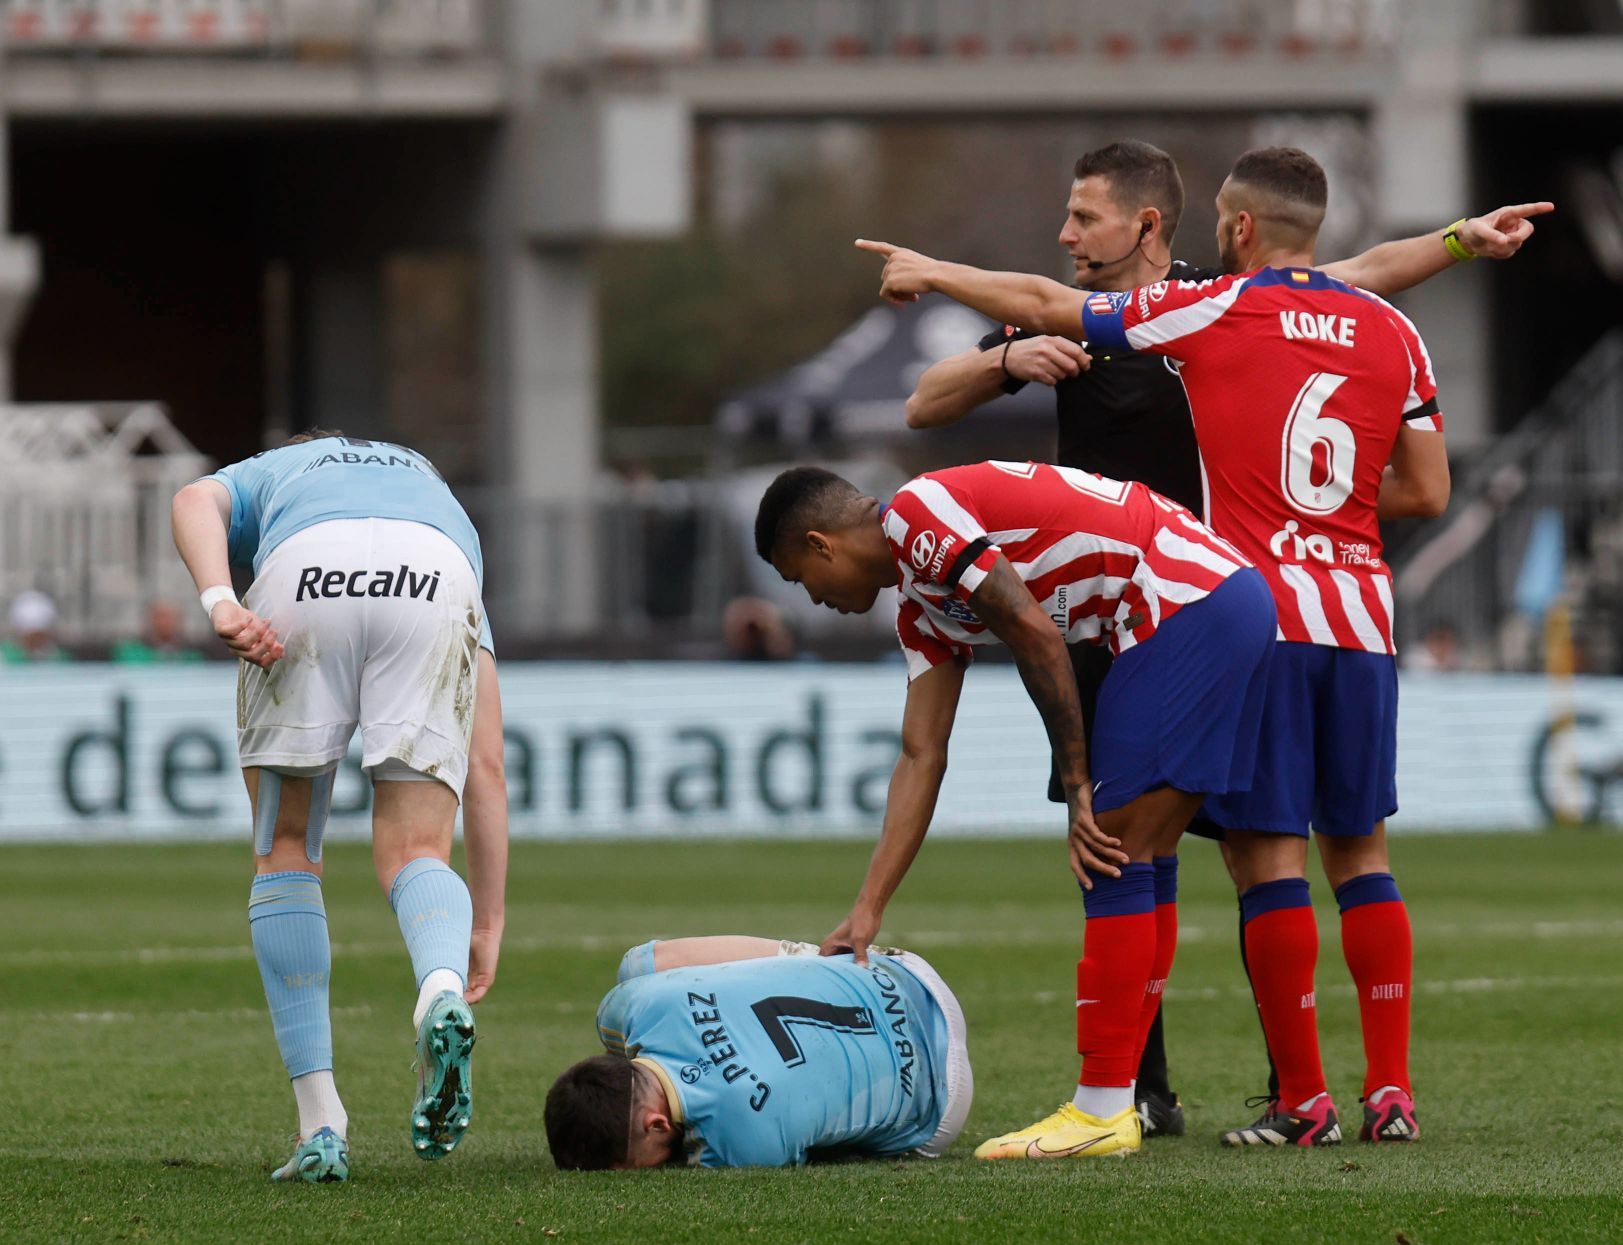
x=1328, y=756
x=1184, y=708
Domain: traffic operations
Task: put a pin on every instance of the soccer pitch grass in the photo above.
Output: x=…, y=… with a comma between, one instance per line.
x=148, y=1102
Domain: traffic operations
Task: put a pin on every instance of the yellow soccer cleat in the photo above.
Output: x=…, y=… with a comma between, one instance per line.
x=1068, y=1133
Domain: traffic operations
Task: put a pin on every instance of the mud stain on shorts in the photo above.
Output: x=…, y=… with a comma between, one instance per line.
x=451, y=680
x=299, y=650
x=254, y=684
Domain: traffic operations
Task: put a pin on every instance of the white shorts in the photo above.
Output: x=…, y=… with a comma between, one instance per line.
x=960, y=1079
x=380, y=619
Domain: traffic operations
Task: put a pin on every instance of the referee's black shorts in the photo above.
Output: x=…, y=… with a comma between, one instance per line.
x=1092, y=662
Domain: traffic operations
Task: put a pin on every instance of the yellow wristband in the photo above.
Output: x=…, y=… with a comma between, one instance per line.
x=1456, y=248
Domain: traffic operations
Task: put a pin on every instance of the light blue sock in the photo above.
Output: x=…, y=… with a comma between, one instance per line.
x=288, y=923
x=435, y=913
x=637, y=962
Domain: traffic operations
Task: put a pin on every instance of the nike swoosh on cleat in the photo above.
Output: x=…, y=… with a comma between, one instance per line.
x=1036, y=1151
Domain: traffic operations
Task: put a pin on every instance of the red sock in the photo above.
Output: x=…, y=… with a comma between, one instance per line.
x=1111, y=976
x=1378, y=944
x=1282, y=948
x=1166, y=946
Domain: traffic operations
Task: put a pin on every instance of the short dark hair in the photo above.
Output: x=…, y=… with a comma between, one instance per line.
x=797, y=501
x=311, y=434
x=1287, y=173
x=588, y=1114
x=1140, y=175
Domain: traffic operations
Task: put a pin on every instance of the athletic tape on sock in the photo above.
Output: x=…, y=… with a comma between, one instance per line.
x=320, y=806
x=1166, y=879
x=266, y=805
x=1367, y=888
x=1273, y=896
x=1133, y=892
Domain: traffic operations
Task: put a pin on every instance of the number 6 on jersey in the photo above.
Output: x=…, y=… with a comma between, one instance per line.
x=1319, y=453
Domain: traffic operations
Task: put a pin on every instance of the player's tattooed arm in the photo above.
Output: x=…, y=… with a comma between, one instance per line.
x=1004, y=603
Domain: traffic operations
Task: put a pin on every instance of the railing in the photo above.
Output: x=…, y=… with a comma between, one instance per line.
x=1566, y=457
x=968, y=29
x=641, y=568
x=319, y=28
x=84, y=513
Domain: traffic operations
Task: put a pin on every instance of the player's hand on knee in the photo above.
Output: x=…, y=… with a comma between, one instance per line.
x=1092, y=850
x=1046, y=360
x=484, y=948
x=247, y=635
x=854, y=934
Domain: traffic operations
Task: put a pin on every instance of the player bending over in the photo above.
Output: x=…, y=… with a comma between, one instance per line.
x=364, y=611
x=1040, y=557
x=1315, y=409
x=747, y=1052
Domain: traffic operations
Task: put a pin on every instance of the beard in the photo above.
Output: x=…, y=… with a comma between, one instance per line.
x=1228, y=256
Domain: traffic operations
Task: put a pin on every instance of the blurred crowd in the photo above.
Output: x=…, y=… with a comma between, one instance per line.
x=753, y=630
x=31, y=636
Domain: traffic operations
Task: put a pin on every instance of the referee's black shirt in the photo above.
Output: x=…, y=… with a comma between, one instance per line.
x=1128, y=416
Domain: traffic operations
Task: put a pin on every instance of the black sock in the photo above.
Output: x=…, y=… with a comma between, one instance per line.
x=1273, y=1072
x=1152, y=1066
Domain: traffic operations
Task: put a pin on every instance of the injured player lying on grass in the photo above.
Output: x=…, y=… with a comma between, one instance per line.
x=749, y=1052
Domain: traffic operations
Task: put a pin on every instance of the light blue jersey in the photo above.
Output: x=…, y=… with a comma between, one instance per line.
x=775, y=1057
x=283, y=491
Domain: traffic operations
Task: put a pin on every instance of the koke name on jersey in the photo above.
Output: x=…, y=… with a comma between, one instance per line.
x=1313, y=327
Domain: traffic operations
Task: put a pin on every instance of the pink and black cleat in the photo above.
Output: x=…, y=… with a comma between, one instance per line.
x=1316, y=1124
x=1389, y=1116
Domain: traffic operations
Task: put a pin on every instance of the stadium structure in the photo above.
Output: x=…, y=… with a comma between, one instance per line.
x=244, y=211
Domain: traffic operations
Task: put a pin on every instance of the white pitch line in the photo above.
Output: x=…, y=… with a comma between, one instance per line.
x=244, y=951
x=224, y=1013
x=1188, y=934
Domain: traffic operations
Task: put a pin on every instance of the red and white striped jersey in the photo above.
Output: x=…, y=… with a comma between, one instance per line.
x=1107, y=560
x=1298, y=384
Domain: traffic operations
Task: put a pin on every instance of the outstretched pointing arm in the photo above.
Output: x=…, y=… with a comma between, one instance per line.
x=1392, y=267
x=1038, y=304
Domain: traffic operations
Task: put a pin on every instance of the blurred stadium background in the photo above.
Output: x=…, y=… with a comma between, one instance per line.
x=592, y=256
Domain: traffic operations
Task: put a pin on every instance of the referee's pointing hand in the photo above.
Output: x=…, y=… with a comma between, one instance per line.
x=906, y=275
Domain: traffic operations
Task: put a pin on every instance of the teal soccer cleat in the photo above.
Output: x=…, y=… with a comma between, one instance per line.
x=322, y=1158
x=444, y=1105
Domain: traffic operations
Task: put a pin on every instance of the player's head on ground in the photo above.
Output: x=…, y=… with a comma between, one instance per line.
x=820, y=531
x=1126, y=199
x=1272, y=202
x=606, y=1113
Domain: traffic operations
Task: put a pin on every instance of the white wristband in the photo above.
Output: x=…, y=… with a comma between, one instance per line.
x=213, y=596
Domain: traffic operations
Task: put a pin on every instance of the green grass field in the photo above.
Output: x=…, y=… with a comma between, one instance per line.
x=148, y=1102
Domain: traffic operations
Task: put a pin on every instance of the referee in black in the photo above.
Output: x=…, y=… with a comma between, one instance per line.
x=1126, y=416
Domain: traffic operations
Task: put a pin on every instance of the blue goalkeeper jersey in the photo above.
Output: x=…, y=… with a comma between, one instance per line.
x=775, y=1057
x=283, y=491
